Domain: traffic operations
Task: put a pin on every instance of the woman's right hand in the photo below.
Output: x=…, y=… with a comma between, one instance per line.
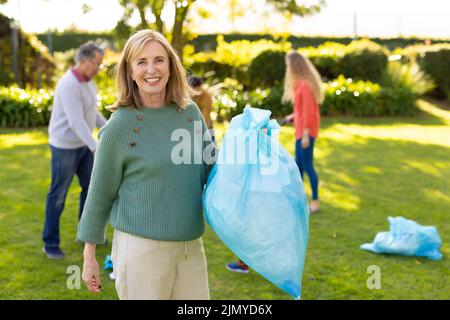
x=91, y=274
x=288, y=118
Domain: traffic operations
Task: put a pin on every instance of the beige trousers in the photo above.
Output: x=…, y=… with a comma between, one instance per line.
x=147, y=269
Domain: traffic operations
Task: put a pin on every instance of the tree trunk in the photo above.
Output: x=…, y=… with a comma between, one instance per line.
x=178, y=40
x=157, y=7
x=144, y=23
x=159, y=24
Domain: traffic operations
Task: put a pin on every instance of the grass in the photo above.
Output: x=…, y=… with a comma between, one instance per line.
x=369, y=169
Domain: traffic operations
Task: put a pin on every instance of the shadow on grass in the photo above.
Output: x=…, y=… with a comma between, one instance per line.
x=365, y=182
x=24, y=165
x=362, y=183
x=389, y=171
x=439, y=103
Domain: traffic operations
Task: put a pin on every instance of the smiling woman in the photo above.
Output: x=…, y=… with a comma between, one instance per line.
x=157, y=215
x=151, y=72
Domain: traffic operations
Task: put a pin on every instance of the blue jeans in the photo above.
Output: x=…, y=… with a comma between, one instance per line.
x=64, y=165
x=305, y=162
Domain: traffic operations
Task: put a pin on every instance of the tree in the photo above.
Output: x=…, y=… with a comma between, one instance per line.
x=86, y=8
x=181, y=12
x=178, y=33
x=155, y=7
x=142, y=7
x=291, y=8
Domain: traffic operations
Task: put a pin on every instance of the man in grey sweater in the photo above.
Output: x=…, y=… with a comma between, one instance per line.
x=73, y=119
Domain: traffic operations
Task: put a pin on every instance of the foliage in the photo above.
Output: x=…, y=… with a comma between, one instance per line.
x=24, y=108
x=207, y=42
x=291, y=7
x=233, y=99
x=35, y=66
x=364, y=59
x=267, y=69
x=156, y=7
x=241, y=53
x=180, y=33
x=326, y=58
x=106, y=77
x=343, y=97
x=409, y=76
x=32, y=107
x=436, y=63
x=434, y=60
x=232, y=59
x=356, y=98
x=361, y=59
x=364, y=98
x=72, y=39
x=369, y=168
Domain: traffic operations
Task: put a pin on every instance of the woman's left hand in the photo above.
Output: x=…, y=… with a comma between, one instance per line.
x=305, y=142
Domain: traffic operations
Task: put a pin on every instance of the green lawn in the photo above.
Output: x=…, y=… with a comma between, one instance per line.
x=369, y=169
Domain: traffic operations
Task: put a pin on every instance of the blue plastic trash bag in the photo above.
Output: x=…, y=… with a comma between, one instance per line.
x=107, y=264
x=407, y=238
x=256, y=203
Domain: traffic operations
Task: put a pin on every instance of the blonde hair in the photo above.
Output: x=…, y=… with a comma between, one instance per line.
x=299, y=67
x=177, y=88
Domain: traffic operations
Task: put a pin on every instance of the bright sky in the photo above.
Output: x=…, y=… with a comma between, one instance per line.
x=384, y=18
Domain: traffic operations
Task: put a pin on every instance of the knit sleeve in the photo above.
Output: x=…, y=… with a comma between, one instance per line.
x=105, y=181
x=210, y=150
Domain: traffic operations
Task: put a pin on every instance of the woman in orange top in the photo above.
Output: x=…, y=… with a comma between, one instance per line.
x=303, y=88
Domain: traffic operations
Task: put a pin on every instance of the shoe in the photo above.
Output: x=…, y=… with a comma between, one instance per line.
x=314, y=206
x=236, y=267
x=53, y=253
x=314, y=210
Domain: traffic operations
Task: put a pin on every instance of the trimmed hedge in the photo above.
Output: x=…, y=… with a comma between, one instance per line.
x=343, y=97
x=32, y=108
x=231, y=59
x=68, y=39
x=24, y=108
x=437, y=65
x=435, y=61
x=346, y=97
x=364, y=59
x=326, y=58
x=267, y=69
x=262, y=63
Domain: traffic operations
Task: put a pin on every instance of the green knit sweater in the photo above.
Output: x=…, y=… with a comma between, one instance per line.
x=135, y=184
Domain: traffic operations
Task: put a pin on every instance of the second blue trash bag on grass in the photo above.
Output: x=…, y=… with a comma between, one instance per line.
x=407, y=238
x=256, y=203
